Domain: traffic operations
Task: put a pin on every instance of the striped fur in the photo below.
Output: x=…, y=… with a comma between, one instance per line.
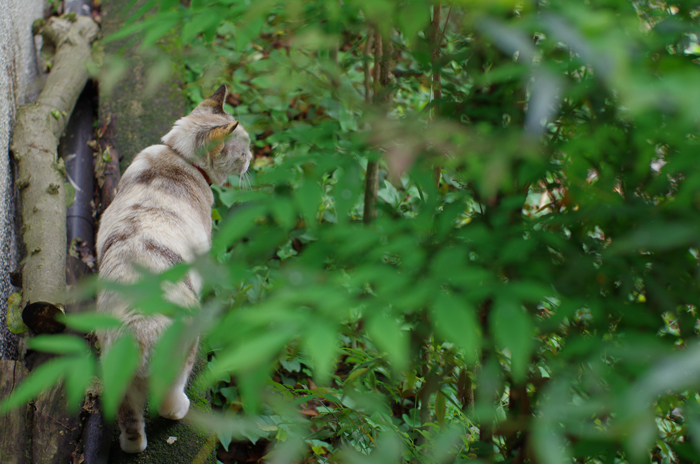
x=161, y=216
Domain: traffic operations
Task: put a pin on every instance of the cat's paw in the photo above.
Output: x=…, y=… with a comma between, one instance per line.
x=175, y=406
x=133, y=446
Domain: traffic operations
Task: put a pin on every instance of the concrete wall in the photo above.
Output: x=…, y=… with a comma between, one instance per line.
x=20, y=83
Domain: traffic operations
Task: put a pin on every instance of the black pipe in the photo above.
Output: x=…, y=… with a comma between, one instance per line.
x=77, y=155
x=80, y=172
x=97, y=436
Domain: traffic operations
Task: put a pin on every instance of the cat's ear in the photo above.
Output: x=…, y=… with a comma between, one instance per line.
x=220, y=132
x=216, y=101
x=217, y=135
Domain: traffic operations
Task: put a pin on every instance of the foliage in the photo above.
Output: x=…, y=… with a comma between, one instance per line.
x=528, y=289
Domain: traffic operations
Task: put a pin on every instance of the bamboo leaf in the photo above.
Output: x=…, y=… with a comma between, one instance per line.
x=119, y=364
x=58, y=344
x=513, y=329
x=88, y=322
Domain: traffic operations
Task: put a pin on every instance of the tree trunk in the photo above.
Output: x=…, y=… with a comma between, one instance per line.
x=382, y=95
x=40, y=180
x=55, y=431
x=41, y=173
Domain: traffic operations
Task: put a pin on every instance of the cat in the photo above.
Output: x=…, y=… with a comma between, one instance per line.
x=160, y=216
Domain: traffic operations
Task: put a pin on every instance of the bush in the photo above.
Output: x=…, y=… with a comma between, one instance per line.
x=528, y=288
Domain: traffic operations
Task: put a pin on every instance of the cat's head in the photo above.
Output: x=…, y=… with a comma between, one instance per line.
x=212, y=139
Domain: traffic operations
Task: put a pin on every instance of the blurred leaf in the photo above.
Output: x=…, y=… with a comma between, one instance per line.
x=235, y=226
x=545, y=93
x=348, y=123
x=308, y=197
x=87, y=322
x=455, y=320
x=59, y=344
x=513, y=329
x=251, y=354
x=119, y=364
x=199, y=23
x=388, y=451
x=655, y=236
x=387, y=334
x=414, y=17
x=168, y=358
x=321, y=341
x=79, y=376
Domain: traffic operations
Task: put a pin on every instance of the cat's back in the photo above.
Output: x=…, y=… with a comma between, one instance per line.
x=160, y=216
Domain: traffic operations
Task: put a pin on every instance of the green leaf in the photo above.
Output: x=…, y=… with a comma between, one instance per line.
x=440, y=407
x=167, y=359
x=235, y=226
x=308, y=197
x=119, y=364
x=284, y=212
x=550, y=445
x=529, y=290
x=321, y=341
x=388, y=451
x=347, y=120
x=246, y=31
x=251, y=354
x=59, y=344
x=199, y=23
x=386, y=333
x=14, y=314
x=455, y=320
x=513, y=329
x=88, y=322
x=159, y=26
x=413, y=17
x=656, y=236
x=78, y=377
x=70, y=194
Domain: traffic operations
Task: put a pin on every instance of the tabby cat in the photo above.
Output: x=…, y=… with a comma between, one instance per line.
x=161, y=215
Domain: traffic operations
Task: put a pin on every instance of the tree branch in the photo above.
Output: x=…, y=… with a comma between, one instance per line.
x=41, y=174
x=40, y=180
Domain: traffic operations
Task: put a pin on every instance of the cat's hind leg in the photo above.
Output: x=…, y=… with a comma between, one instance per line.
x=176, y=403
x=132, y=438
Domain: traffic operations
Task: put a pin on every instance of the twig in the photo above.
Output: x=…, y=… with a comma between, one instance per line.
x=368, y=82
x=372, y=174
x=444, y=28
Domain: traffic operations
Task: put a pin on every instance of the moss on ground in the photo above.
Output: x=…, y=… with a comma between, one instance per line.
x=141, y=120
x=189, y=443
